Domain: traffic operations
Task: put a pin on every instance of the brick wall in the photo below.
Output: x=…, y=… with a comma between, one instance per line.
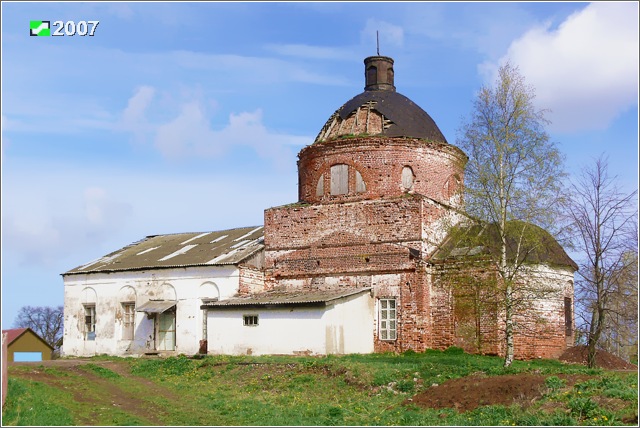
x=437, y=168
x=539, y=320
x=332, y=225
x=251, y=280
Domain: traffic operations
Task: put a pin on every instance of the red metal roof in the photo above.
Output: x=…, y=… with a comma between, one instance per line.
x=13, y=334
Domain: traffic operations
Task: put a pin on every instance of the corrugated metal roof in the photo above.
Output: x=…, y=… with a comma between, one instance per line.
x=156, y=306
x=320, y=298
x=226, y=247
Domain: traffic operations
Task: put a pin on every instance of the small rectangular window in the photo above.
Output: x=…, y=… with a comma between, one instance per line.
x=250, y=320
x=568, y=317
x=388, y=319
x=128, y=320
x=89, y=322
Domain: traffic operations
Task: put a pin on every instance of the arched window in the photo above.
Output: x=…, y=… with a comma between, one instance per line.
x=320, y=186
x=127, y=297
x=89, y=298
x=372, y=75
x=390, y=75
x=344, y=180
x=451, y=186
x=361, y=186
x=407, y=178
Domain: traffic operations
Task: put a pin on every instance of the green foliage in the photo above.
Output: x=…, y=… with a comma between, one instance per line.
x=582, y=407
x=100, y=371
x=554, y=383
x=30, y=403
x=405, y=386
x=172, y=366
x=454, y=350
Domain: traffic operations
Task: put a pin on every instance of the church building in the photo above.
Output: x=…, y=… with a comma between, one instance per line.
x=363, y=261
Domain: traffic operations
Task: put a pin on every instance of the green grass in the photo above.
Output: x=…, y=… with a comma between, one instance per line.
x=332, y=390
x=29, y=403
x=100, y=371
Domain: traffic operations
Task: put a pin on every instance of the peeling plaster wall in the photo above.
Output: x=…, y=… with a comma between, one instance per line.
x=188, y=286
x=335, y=329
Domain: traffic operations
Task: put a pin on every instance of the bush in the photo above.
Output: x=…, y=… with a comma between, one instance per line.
x=554, y=383
x=582, y=407
x=454, y=350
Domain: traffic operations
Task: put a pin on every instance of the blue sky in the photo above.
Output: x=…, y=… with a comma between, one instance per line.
x=188, y=117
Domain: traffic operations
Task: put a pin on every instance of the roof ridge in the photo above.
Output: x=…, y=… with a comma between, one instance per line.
x=202, y=231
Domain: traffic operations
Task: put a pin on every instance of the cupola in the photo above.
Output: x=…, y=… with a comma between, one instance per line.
x=380, y=110
x=380, y=145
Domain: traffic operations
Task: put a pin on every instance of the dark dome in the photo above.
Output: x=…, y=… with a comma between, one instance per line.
x=380, y=110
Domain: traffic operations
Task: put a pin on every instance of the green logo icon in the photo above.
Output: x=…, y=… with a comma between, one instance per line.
x=40, y=28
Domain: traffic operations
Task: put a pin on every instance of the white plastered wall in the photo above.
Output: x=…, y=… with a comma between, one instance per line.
x=341, y=328
x=188, y=286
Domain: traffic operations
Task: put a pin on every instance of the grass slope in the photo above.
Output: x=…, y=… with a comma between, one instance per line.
x=282, y=390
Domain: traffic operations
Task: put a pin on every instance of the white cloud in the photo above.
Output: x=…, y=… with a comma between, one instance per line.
x=133, y=117
x=311, y=52
x=586, y=71
x=47, y=232
x=189, y=134
x=389, y=35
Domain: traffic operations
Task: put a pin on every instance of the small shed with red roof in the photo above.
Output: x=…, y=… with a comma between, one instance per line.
x=23, y=344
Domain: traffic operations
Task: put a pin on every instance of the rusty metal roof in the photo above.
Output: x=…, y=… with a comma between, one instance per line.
x=226, y=247
x=289, y=298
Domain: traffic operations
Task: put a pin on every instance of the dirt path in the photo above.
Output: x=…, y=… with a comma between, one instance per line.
x=104, y=391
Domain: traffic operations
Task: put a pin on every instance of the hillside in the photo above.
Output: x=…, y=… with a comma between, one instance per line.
x=432, y=388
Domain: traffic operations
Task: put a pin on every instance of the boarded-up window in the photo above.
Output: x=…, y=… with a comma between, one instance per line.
x=388, y=319
x=361, y=187
x=407, y=178
x=320, y=186
x=339, y=179
x=128, y=320
x=568, y=317
x=89, y=322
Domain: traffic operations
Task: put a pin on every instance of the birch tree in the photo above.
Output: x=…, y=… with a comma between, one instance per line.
x=513, y=178
x=605, y=224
